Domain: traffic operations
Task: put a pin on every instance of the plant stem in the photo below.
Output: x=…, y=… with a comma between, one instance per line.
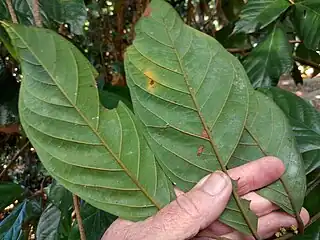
x=11, y=11
x=312, y=220
x=244, y=51
x=13, y=159
x=78, y=216
x=36, y=13
x=307, y=62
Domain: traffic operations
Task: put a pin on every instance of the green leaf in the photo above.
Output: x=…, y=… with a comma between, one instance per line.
x=186, y=89
x=96, y=153
x=55, y=222
x=277, y=140
x=95, y=223
x=228, y=40
x=60, y=197
x=72, y=12
x=306, y=18
x=257, y=14
x=9, y=193
x=269, y=60
x=11, y=226
x=49, y=222
x=305, y=122
x=111, y=95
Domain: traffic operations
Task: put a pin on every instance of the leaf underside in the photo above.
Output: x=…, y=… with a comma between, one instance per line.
x=98, y=154
x=200, y=112
x=195, y=107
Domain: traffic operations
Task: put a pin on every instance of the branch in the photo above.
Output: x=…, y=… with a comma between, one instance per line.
x=312, y=220
x=244, y=51
x=13, y=159
x=307, y=62
x=36, y=13
x=78, y=216
x=11, y=11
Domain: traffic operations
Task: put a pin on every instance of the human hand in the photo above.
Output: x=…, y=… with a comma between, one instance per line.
x=194, y=215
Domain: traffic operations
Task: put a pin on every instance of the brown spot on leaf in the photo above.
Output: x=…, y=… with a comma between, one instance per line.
x=200, y=150
x=147, y=12
x=151, y=83
x=204, y=134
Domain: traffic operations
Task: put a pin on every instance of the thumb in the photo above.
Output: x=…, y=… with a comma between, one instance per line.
x=191, y=211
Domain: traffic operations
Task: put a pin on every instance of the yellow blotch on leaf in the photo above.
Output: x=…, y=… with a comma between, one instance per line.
x=151, y=83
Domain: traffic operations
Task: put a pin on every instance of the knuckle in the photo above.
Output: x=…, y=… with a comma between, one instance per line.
x=189, y=207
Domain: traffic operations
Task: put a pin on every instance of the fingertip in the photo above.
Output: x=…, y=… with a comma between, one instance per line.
x=276, y=163
x=304, y=214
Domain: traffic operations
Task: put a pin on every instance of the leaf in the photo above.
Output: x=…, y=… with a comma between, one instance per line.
x=72, y=12
x=306, y=18
x=257, y=14
x=9, y=193
x=111, y=95
x=259, y=141
x=11, y=226
x=186, y=89
x=305, y=122
x=269, y=60
x=61, y=198
x=55, y=222
x=95, y=223
x=98, y=154
x=49, y=222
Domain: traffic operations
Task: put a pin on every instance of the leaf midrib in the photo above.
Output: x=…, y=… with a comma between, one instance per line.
x=135, y=181
x=213, y=145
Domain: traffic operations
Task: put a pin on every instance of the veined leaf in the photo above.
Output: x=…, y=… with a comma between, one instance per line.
x=96, y=153
x=257, y=14
x=173, y=73
x=277, y=140
x=306, y=18
x=192, y=96
x=269, y=60
x=305, y=122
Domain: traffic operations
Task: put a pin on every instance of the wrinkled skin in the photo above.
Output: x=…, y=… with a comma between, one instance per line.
x=193, y=215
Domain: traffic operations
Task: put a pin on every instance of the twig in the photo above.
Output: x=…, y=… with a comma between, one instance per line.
x=78, y=216
x=36, y=13
x=291, y=1
x=13, y=159
x=312, y=220
x=307, y=62
x=11, y=11
x=295, y=41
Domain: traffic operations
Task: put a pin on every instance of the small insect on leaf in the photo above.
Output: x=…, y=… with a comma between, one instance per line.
x=200, y=150
x=147, y=12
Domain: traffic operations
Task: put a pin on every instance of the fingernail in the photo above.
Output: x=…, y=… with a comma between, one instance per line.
x=214, y=183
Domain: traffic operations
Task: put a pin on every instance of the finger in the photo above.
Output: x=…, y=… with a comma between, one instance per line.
x=191, y=211
x=257, y=174
x=270, y=224
x=259, y=205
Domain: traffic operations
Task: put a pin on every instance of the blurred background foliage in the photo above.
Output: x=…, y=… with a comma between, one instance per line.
x=277, y=41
